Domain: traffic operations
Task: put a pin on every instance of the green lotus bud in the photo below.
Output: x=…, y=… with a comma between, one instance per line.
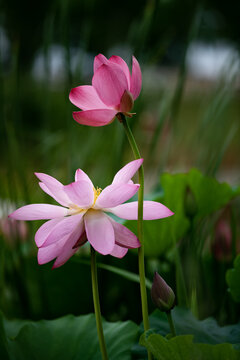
x=162, y=295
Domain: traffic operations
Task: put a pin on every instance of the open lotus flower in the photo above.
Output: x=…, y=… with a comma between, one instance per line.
x=83, y=217
x=113, y=91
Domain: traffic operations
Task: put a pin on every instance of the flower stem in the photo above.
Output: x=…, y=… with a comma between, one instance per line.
x=97, y=305
x=171, y=324
x=141, y=265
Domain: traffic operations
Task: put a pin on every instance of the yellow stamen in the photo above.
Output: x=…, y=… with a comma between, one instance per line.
x=97, y=192
x=75, y=209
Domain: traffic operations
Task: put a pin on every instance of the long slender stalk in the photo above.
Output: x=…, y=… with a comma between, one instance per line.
x=97, y=306
x=171, y=324
x=141, y=265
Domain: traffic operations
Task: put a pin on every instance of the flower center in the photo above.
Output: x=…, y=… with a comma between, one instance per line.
x=75, y=209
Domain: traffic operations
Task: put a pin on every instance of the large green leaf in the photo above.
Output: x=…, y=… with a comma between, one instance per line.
x=69, y=338
x=210, y=195
x=204, y=331
x=232, y=277
x=183, y=348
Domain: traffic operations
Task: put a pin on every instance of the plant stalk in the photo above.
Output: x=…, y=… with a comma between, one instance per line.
x=97, y=309
x=171, y=324
x=141, y=265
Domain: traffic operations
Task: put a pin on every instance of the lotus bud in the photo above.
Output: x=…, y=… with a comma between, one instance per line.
x=162, y=295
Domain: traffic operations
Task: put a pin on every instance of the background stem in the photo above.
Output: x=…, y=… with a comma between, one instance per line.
x=97, y=305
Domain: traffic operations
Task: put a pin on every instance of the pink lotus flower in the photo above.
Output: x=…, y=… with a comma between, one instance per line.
x=113, y=91
x=83, y=217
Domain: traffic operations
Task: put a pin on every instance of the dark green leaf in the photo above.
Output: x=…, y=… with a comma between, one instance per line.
x=68, y=338
x=204, y=331
x=183, y=348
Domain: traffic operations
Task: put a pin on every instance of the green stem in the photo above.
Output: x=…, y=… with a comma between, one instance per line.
x=141, y=265
x=171, y=324
x=97, y=305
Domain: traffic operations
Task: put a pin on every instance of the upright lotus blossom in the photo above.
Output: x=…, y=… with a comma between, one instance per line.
x=113, y=91
x=83, y=215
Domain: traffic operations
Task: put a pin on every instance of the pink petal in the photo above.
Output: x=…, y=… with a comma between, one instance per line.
x=118, y=60
x=119, y=251
x=62, y=248
x=136, y=79
x=80, y=175
x=116, y=194
x=46, y=189
x=69, y=249
x=86, y=98
x=39, y=212
x=151, y=211
x=123, y=236
x=125, y=174
x=64, y=256
x=82, y=240
x=51, y=252
x=98, y=61
x=64, y=228
x=98, y=117
x=44, y=230
x=99, y=231
x=56, y=189
x=110, y=83
x=80, y=193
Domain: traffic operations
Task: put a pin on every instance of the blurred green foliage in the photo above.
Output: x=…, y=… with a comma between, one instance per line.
x=181, y=123
x=232, y=277
x=192, y=197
